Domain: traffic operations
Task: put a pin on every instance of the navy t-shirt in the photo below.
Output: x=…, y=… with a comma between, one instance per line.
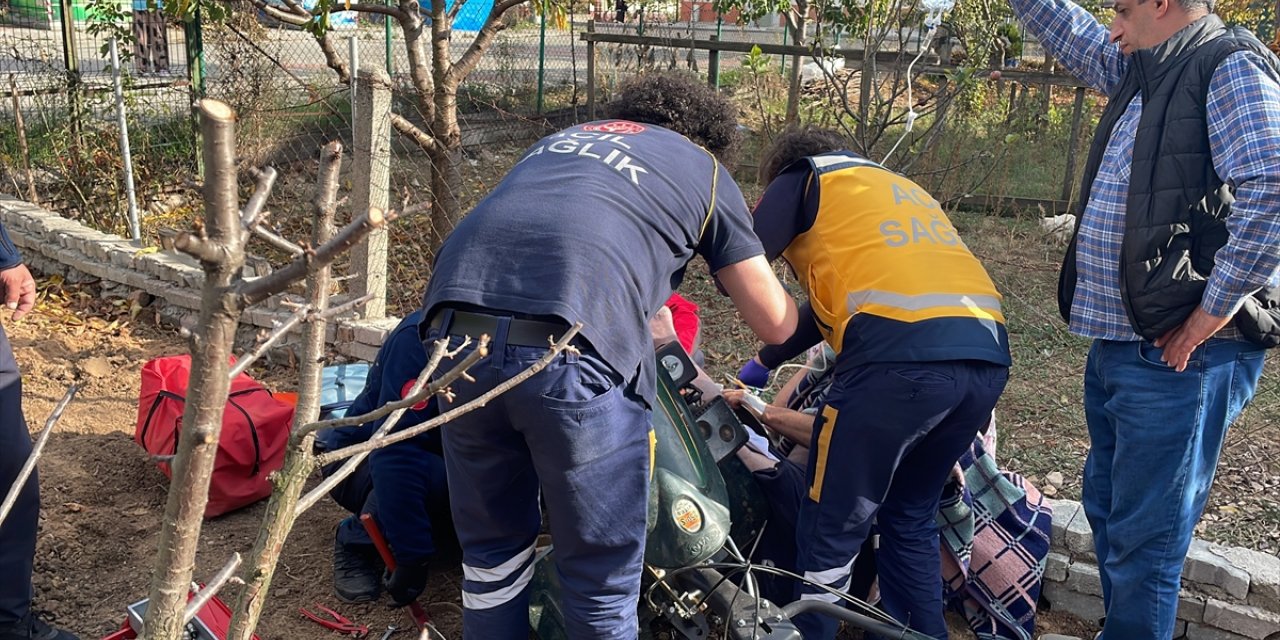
x=595, y=224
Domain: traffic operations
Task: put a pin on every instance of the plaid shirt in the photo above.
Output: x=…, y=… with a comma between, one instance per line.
x=1244, y=140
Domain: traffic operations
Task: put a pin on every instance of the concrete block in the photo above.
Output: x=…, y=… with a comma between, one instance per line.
x=1082, y=605
x=1083, y=578
x=265, y=318
x=1190, y=607
x=1071, y=529
x=178, y=296
x=1063, y=512
x=136, y=279
x=121, y=256
x=1248, y=621
x=1197, y=631
x=362, y=352
x=1264, y=575
x=1209, y=570
x=1055, y=567
x=373, y=332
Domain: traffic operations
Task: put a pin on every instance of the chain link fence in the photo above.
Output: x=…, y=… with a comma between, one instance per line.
x=57, y=78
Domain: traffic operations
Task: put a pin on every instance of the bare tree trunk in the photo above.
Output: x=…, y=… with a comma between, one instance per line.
x=221, y=250
x=446, y=185
x=797, y=26
x=279, y=517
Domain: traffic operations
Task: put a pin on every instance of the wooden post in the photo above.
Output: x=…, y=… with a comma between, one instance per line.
x=372, y=182
x=21, y=127
x=713, y=64
x=591, y=71
x=1077, y=118
x=866, y=81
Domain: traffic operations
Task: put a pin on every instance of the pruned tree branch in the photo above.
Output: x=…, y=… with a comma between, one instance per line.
x=400, y=436
x=280, y=515
x=438, y=352
x=220, y=580
x=419, y=68
x=259, y=289
x=287, y=17
x=334, y=59
x=422, y=389
x=276, y=241
x=265, y=179
x=281, y=330
x=208, y=383
x=30, y=465
x=420, y=137
x=197, y=247
x=349, y=305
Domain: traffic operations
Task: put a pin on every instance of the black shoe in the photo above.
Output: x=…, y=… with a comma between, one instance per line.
x=34, y=628
x=355, y=577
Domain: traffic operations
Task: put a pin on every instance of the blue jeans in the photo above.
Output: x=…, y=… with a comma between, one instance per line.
x=572, y=432
x=885, y=444
x=1155, y=435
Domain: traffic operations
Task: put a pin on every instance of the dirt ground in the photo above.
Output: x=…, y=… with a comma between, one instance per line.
x=102, y=497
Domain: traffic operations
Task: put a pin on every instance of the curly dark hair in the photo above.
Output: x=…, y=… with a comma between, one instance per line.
x=683, y=103
x=796, y=143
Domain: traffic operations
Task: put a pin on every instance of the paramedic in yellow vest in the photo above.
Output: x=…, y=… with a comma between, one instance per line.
x=921, y=358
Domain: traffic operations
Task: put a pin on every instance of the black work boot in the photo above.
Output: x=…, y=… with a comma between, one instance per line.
x=356, y=577
x=34, y=628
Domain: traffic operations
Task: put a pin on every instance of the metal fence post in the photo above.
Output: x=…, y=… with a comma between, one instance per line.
x=387, y=38
x=353, y=51
x=193, y=30
x=372, y=181
x=71, y=60
x=591, y=70
x=542, y=53
x=134, y=231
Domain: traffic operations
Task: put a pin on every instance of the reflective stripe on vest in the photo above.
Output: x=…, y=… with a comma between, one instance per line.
x=982, y=306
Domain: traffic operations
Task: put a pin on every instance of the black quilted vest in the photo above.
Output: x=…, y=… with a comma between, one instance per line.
x=1177, y=204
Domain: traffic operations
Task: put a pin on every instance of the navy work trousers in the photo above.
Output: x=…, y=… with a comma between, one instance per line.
x=887, y=440
x=573, y=432
x=18, y=533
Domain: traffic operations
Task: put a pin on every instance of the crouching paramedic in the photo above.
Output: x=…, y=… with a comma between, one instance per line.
x=606, y=249
x=403, y=486
x=921, y=358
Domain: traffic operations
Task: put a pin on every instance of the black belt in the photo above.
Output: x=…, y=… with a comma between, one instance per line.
x=520, y=332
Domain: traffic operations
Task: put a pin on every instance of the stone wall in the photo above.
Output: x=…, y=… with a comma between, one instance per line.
x=1228, y=593
x=53, y=244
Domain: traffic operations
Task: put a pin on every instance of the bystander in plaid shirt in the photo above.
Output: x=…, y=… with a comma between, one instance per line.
x=1244, y=138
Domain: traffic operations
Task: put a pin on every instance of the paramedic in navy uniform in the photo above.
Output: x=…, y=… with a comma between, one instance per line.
x=595, y=224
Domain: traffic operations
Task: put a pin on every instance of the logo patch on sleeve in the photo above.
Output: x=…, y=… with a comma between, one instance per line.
x=404, y=393
x=615, y=126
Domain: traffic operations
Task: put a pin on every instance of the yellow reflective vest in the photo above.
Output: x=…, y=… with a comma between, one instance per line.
x=881, y=247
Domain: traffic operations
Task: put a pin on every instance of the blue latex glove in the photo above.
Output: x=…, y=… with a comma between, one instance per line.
x=754, y=374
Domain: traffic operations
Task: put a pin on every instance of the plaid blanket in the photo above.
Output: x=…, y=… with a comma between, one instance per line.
x=995, y=537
